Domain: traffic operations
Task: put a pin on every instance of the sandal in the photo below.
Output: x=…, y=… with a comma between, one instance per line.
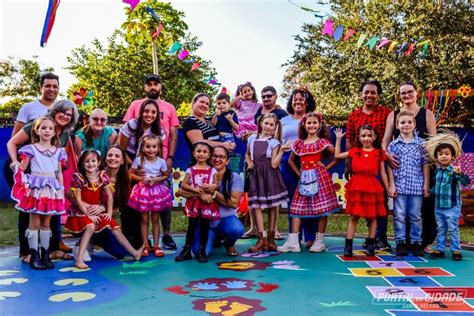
x=158, y=252
x=60, y=255
x=248, y=236
x=232, y=252
x=146, y=251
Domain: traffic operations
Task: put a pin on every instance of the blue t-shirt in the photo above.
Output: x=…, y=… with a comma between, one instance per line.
x=223, y=125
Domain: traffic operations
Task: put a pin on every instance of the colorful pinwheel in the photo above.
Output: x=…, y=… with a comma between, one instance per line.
x=83, y=97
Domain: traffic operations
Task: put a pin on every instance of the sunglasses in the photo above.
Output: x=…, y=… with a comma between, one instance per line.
x=96, y=119
x=267, y=96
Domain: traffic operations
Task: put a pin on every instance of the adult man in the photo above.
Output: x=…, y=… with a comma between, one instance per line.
x=169, y=124
x=49, y=88
x=269, y=98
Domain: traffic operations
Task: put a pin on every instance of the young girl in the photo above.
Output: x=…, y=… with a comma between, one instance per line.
x=315, y=196
x=41, y=192
x=150, y=195
x=246, y=105
x=198, y=178
x=267, y=190
x=364, y=193
x=91, y=186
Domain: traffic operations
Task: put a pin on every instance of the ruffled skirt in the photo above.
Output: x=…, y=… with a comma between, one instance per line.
x=267, y=188
x=77, y=224
x=150, y=198
x=38, y=194
x=365, y=196
x=195, y=207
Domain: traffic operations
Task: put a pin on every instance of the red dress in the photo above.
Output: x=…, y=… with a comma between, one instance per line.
x=325, y=201
x=364, y=192
x=91, y=193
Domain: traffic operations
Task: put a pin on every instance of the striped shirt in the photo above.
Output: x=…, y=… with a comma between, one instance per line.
x=412, y=156
x=448, y=187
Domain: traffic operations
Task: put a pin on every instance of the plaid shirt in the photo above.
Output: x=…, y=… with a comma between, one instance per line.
x=377, y=119
x=412, y=156
x=448, y=187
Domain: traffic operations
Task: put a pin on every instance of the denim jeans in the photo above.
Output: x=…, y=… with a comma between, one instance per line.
x=230, y=227
x=407, y=205
x=107, y=240
x=447, y=220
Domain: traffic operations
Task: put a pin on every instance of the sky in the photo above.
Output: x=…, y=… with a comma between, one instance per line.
x=245, y=40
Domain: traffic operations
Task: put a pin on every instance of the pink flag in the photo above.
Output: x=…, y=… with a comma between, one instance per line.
x=158, y=30
x=349, y=33
x=183, y=54
x=328, y=28
x=195, y=66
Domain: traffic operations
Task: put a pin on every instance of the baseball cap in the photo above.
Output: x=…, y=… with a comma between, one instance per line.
x=151, y=77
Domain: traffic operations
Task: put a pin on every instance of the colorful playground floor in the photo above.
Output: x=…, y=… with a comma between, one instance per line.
x=264, y=284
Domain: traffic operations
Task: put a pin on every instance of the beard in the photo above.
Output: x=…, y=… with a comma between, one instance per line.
x=153, y=94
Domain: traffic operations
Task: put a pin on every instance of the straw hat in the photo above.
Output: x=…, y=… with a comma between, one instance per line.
x=445, y=137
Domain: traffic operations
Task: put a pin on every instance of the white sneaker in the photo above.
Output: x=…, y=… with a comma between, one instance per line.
x=75, y=251
x=291, y=245
x=318, y=245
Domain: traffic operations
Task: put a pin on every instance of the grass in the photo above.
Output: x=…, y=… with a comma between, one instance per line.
x=337, y=224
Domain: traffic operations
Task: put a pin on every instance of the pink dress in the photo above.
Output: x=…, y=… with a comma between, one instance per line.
x=39, y=191
x=246, y=111
x=195, y=207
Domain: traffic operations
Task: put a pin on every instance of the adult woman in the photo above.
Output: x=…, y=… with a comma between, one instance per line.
x=425, y=126
x=301, y=101
x=130, y=134
x=65, y=114
x=197, y=128
x=227, y=196
x=117, y=170
x=96, y=135
x=375, y=115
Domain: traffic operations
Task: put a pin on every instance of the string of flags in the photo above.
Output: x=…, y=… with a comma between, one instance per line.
x=405, y=48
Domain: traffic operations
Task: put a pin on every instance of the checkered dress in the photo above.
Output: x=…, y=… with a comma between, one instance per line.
x=412, y=156
x=325, y=201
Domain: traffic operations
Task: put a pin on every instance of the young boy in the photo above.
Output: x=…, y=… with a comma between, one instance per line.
x=444, y=148
x=224, y=120
x=408, y=184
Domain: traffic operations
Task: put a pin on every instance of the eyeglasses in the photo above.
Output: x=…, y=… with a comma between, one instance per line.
x=96, y=119
x=219, y=157
x=267, y=96
x=66, y=114
x=410, y=92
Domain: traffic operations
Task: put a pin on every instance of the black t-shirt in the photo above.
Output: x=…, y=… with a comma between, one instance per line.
x=280, y=113
x=209, y=132
x=223, y=125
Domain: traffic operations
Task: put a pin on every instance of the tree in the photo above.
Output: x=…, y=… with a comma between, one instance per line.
x=20, y=82
x=115, y=72
x=334, y=70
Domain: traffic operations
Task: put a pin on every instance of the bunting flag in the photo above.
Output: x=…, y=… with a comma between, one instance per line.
x=132, y=3
x=49, y=21
x=174, y=48
x=195, y=66
x=183, y=54
x=153, y=13
x=158, y=30
x=405, y=49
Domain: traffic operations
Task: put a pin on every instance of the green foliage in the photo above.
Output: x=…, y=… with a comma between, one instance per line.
x=19, y=82
x=333, y=70
x=115, y=71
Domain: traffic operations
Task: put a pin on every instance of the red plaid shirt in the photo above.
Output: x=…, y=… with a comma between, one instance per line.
x=376, y=119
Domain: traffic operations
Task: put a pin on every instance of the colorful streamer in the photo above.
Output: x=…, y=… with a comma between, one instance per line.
x=158, y=30
x=174, y=48
x=349, y=33
x=152, y=12
x=49, y=21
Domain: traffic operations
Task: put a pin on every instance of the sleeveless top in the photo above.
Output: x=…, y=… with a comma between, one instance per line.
x=420, y=120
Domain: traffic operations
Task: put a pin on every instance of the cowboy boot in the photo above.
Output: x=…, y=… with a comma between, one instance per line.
x=348, y=248
x=45, y=258
x=35, y=261
x=271, y=241
x=260, y=245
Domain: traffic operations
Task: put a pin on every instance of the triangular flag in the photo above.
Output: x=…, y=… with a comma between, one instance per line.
x=371, y=42
x=174, y=48
x=195, y=66
x=328, y=28
x=361, y=40
x=349, y=33
x=158, y=30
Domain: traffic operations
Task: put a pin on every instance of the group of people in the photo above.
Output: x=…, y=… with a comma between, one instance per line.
x=389, y=154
